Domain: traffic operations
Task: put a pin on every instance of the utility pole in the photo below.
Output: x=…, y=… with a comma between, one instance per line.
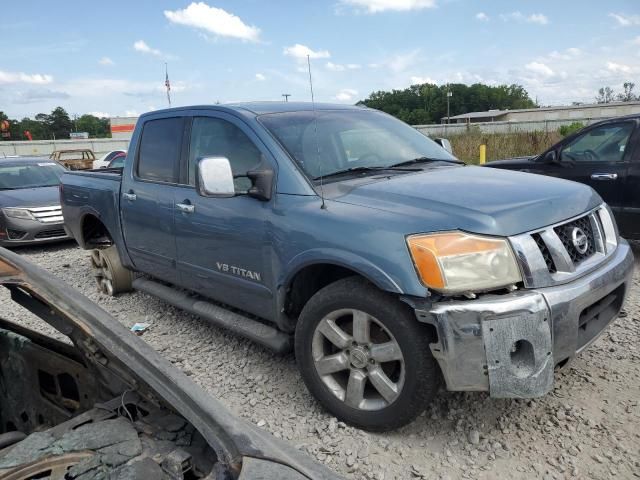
x=449, y=95
x=286, y=96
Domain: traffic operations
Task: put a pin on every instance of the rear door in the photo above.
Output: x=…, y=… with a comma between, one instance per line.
x=147, y=204
x=223, y=248
x=629, y=216
x=599, y=157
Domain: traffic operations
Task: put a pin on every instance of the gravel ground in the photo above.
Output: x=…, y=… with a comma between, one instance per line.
x=588, y=427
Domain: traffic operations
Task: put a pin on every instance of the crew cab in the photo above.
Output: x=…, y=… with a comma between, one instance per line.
x=347, y=235
x=605, y=156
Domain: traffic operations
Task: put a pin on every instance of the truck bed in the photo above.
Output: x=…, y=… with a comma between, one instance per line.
x=91, y=194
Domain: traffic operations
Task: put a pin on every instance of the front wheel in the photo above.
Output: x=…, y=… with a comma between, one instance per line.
x=364, y=356
x=111, y=276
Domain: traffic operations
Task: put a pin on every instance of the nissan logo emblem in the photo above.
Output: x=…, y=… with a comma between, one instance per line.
x=580, y=240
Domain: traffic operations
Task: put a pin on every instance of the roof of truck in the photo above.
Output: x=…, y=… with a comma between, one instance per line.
x=260, y=108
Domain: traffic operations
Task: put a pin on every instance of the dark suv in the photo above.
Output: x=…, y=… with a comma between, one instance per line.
x=605, y=156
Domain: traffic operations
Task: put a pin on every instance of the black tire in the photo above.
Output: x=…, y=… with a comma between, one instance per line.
x=111, y=276
x=421, y=373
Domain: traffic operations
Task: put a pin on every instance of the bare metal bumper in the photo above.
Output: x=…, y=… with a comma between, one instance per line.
x=509, y=344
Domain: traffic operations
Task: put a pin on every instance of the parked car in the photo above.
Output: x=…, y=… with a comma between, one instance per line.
x=345, y=233
x=104, y=161
x=605, y=156
x=106, y=405
x=117, y=161
x=30, y=201
x=76, y=159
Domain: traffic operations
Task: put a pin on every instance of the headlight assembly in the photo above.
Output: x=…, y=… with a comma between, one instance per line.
x=458, y=262
x=21, y=213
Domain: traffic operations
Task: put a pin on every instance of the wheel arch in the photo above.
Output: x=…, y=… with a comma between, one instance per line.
x=92, y=229
x=309, y=273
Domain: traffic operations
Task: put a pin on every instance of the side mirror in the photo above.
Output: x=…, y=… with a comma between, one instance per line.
x=262, y=180
x=444, y=143
x=550, y=157
x=215, y=178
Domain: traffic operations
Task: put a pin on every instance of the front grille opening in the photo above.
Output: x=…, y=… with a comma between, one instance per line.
x=565, y=233
x=597, y=316
x=546, y=254
x=58, y=232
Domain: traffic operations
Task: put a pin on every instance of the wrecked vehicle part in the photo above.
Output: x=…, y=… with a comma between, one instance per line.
x=112, y=397
x=509, y=345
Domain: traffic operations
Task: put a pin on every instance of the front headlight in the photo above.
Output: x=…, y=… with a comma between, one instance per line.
x=21, y=213
x=458, y=262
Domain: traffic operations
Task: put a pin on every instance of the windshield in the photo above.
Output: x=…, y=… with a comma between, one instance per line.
x=349, y=140
x=30, y=175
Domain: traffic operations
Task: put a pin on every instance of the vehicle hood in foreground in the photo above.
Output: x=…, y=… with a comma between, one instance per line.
x=475, y=199
x=104, y=340
x=30, y=197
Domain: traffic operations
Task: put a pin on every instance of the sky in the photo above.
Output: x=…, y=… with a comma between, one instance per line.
x=108, y=58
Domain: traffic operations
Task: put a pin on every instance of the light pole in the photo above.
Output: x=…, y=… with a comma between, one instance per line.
x=449, y=95
x=286, y=96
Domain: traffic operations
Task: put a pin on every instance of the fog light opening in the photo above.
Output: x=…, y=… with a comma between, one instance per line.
x=523, y=360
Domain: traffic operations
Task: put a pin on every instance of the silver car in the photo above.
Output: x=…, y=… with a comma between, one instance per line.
x=30, y=201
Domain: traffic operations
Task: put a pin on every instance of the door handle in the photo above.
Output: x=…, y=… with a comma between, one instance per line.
x=604, y=176
x=185, y=207
x=129, y=196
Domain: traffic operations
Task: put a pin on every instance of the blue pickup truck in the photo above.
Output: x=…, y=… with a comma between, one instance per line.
x=345, y=234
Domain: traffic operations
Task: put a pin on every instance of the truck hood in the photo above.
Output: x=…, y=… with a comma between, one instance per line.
x=475, y=199
x=30, y=197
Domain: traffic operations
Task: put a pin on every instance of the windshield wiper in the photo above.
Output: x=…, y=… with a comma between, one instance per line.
x=364, y=169
x=424, y=159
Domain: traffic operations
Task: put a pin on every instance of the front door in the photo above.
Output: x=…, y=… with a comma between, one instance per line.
x=600, y=158
x=223, y=249
x=147, y=204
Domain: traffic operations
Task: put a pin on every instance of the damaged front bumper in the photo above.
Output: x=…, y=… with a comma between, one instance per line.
x=509, y=344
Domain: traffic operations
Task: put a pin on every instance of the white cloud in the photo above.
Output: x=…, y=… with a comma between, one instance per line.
x=568, y=54
x=483, y=17
x=100, y=114
x=636, y=41
x=346, y=95
x=20, y=77
x=301, y=51
x=618, y=67
x=400, y=62
x=260, y=77
x=106, y=61
x=625, y=20
x=539, y=69
x=418, y=80
x=141, y=46
x=131, y=113
x=375, y=6
x=538, y=18
x=336, y=67
x=214, y=20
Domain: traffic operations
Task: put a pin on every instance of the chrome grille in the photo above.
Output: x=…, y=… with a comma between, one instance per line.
x=51, y=214
x=565, y=233
x=561, y=252
x=546, y=254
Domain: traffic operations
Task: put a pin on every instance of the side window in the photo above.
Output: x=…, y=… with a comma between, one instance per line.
x=214, y=137
x=160, y=145
x=606, y=143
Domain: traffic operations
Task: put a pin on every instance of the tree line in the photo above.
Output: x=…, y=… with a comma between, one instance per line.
x=56, y=125
x=607, y=94
x=427, y=103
